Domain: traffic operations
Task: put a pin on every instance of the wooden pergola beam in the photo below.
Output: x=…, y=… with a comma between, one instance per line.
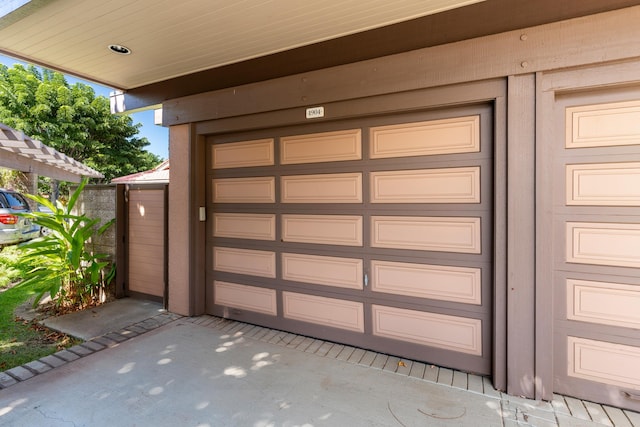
x=22, y=153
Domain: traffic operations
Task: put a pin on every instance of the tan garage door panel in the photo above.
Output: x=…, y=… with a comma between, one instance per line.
x=604, y=362
x=345, y=230
x=322, y=147
x=438, y=330
x=451, y=185
x=244, y=261
x=325, y=188
x=244, y=226
x=245, y=297
x=603, y=125
x=446, y=283
x=243, y=154
x=245, y=190
x=603, y=184
x=603, y=243
x=323, y=270
x=324, y=311
x=447, y=136
x=604, y=303
x=426, y=233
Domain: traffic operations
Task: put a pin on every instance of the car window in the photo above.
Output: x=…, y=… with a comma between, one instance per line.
x=3, y=202
x=16, y=201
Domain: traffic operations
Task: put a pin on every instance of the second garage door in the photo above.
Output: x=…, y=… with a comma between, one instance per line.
x=596, y=246
x=376, y=233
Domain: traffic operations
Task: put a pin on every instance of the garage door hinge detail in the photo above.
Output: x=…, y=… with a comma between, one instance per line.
x=366, y=280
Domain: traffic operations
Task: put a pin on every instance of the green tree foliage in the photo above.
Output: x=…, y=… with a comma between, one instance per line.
x=11, y=179
x=73, y=120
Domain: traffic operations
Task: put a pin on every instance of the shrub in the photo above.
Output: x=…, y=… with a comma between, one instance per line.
x=10, y=271
x=61, y=261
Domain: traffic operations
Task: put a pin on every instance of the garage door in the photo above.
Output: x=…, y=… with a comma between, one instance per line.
x=596, y=246
x=375, y=232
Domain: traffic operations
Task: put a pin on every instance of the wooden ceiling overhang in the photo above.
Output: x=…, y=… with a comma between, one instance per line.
x=476, y=20
x=181, y=49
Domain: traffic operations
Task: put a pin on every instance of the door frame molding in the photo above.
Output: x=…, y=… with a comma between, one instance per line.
x=493, y=91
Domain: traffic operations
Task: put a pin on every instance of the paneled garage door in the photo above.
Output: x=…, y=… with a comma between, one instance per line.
x=596, y=220
x=375, y=232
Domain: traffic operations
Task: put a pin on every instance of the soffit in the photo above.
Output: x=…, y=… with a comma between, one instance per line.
x=172, y=39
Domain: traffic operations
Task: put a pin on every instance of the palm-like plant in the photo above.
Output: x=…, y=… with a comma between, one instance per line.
x=60, y=261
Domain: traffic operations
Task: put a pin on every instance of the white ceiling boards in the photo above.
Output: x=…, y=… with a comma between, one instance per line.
x=171, y=39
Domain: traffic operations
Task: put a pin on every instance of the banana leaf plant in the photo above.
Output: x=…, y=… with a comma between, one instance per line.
x=61, y=262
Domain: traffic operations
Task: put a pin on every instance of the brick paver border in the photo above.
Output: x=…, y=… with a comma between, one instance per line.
x=516, y=411
x=29, y=370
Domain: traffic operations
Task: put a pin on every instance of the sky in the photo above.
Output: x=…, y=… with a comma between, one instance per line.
x=158, y=136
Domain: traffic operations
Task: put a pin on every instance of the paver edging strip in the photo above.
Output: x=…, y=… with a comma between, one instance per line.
x=516, y=411
x=21, y=373
x=509, y=404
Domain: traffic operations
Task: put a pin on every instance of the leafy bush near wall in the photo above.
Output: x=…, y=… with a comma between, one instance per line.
x=61, y=262
x=10, y=270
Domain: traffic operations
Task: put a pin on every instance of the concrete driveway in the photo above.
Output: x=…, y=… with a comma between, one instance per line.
x=208, y=371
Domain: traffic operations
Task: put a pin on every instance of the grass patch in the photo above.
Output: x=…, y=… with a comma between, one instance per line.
x=22, y=341
x=9, y=268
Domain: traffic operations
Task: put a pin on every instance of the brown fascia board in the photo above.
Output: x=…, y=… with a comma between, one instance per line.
x=477, y=20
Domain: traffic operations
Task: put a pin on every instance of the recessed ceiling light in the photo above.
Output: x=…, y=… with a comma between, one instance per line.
x=119, y=49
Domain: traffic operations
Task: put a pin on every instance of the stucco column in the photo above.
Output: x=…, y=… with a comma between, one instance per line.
x=186, y=233
x=178, y=263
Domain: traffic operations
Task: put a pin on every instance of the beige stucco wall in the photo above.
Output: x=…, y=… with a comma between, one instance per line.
x=179, y=202
x=99, y=201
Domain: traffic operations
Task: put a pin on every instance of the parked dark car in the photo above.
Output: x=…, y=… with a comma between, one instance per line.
x=14, y=228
